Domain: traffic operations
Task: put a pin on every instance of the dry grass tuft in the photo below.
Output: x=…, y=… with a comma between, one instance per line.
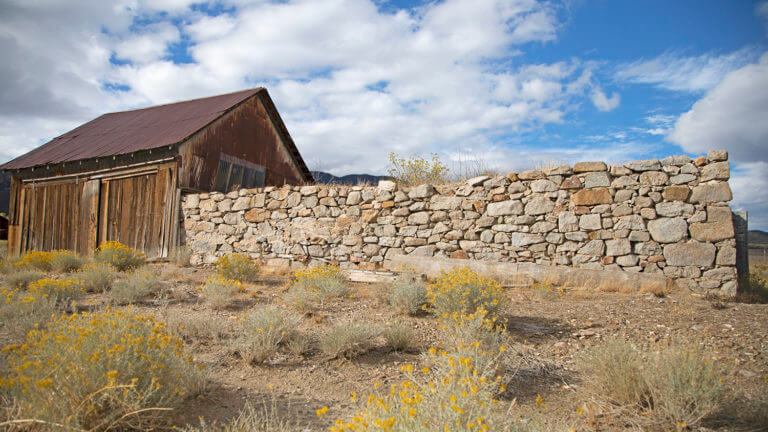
x=220, y=292
x=676, y=387
x=347, y=339
x=22, y=278
x=398, y=335
x=407, y=295
x=96, y=277
x=137, y=285
x=265, y=330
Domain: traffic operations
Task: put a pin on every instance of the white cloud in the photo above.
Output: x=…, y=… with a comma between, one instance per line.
x=673, y=71
x=749, y=183
x=351, y=81
x=149, y=45
x=732, y=115
x=603, y=102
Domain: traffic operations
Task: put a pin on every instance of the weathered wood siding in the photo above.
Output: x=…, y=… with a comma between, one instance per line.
x=247, y=132
x=138, y=208
x=51, y=215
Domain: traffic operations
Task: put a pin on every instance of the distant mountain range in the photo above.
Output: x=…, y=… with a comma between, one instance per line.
x=349, y=179
x=5, y=191
x=757, y=236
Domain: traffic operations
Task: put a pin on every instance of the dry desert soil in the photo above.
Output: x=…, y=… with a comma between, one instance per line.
x=551, y=329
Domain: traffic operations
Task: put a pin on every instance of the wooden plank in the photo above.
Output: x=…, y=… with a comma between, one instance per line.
x=103, y=216
x=168, y=210
x=14, y=241
x=87, y=237
x=26, y=208
x=176, y=225
x=160, y=192
x=170, y=186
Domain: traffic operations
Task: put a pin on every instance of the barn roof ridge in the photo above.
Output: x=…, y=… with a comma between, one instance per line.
x=125, y=132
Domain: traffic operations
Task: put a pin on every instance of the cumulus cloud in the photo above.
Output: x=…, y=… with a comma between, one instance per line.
x=731, y=115
x=674, y=71
x=603, y=102
x=351, y=80
x=749, y=183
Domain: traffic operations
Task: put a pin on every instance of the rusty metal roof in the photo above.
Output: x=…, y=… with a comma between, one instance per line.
x=142, y=129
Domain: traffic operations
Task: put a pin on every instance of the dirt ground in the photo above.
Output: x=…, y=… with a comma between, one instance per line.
x=551, y=330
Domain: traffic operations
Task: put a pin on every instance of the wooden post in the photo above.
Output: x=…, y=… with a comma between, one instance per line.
x=89, y=218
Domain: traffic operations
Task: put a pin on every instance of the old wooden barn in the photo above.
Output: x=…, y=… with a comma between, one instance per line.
x=121, y=176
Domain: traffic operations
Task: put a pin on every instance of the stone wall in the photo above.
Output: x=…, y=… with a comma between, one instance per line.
x=668, y=216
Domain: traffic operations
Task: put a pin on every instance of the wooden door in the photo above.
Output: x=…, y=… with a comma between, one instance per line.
x=136, y=209
x=50, y=215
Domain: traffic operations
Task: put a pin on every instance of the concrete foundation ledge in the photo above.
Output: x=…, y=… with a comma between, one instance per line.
x=523, y=274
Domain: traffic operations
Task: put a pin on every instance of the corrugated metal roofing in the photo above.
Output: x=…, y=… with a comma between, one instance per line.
x=130, y=131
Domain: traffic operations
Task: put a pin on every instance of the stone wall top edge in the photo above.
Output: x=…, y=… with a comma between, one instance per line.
x=582, y=167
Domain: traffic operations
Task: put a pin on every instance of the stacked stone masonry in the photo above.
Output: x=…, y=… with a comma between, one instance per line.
x=668, y=216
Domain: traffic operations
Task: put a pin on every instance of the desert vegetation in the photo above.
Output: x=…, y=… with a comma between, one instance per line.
x=119, y=344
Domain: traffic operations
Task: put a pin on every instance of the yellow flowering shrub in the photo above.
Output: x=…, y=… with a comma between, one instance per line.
x=462, y=291
x=454, y=394
x=313, y=286
x=21, y=311
x=37, y=259
x=416, y=170
x=120, y=256
x=264, y=330
x=97, y=372
x=484, y=333
x=237, y=266
x=61, y=291
x=219, y=292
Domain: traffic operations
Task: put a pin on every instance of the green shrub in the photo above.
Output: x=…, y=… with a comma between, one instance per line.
x=462, y=291
x=407, y=295
x=120, y=256
x=237, y=267
x=137, y=285
x=398, y=336
x=416, y=170
x=265, y=329
x=96, y=277
x=219, y=292
x=347, y=339
x=108, y=371
x=22, y=278
x=66, y=261
x=310, y=288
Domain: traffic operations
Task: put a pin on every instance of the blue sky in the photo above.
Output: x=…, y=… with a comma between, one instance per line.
x=503, y=84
